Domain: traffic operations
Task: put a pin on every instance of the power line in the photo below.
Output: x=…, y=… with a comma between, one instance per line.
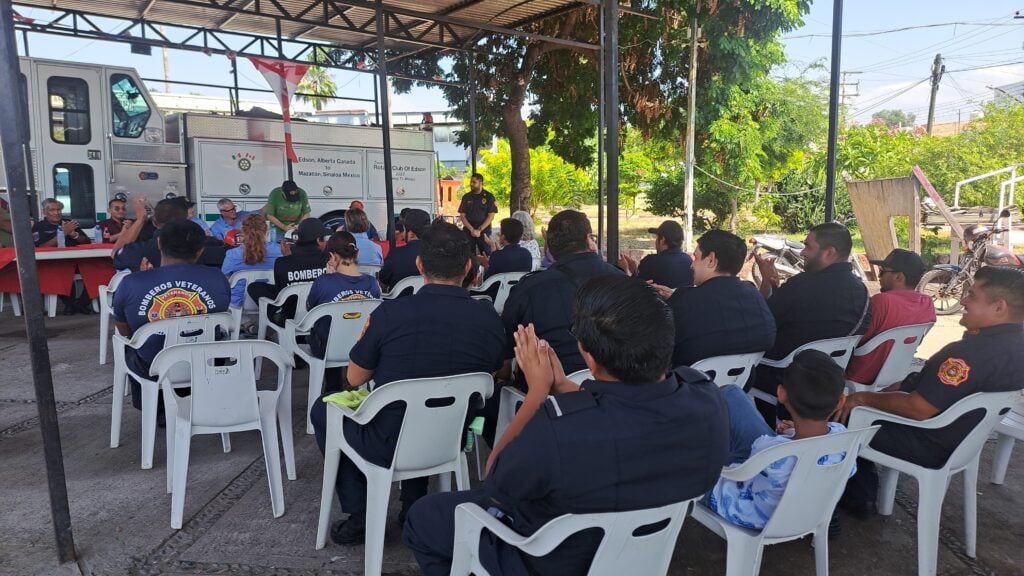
x=903, y=29
x=943, y=44
x=742, y=189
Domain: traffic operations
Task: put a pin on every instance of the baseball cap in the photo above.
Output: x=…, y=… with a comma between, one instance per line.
x=357, y=204
x=289, y=185
x=182, y=201
x=416, y=220
x=310, y=230
x=670, y=230
x=905, y=261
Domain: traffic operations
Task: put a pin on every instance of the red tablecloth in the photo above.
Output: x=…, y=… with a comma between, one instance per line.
x=55, y=276
x=385, y=246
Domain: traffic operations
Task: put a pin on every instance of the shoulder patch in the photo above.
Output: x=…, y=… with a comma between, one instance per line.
x=565, y=404
x=954, y=371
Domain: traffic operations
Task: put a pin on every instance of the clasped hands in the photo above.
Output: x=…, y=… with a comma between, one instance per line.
x=540, y=365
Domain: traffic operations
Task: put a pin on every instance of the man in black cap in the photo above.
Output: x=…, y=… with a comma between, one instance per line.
x=401, y=262
x=303, y=261
x=286, y=206
x=898, y=304
x=131, y=251
x=669, y=265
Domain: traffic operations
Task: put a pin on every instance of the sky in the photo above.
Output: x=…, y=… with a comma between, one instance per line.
x=985, y=48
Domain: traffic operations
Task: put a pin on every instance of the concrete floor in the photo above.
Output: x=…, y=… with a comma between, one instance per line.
x=120, y=513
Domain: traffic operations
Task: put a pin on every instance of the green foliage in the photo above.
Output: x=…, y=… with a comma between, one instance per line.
x=555, y=182
x=895, y=118
x=317, y=80
x=665, y=198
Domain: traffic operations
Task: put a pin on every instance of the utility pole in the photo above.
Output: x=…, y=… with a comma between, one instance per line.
x=844, y=93
x=938, y=68
x=691, y=120
x=833, y=110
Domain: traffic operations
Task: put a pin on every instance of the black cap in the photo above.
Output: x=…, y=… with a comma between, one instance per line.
x=289, y=185
x=670, y=230
x=310, y=230
x=416, y=221
x=182, y=201
x=905, y=261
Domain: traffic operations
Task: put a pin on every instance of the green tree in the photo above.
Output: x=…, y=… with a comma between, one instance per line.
x=895, y=118
x=555, y=183
x=319, y=82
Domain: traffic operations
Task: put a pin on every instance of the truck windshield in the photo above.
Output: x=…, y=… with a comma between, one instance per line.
x=129, y=106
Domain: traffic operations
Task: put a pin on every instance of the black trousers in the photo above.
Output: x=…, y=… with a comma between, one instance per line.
x=479, y=243
x=903, y=442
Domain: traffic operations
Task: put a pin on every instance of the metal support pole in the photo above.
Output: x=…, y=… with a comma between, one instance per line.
x=611, y=90
x=13, y=134
x=472, y=113
x=24, y=41
x=236, y=100
x=600, y=139
x=376, y=104
x=382, y=80
x=833, y=111
x=691, y=125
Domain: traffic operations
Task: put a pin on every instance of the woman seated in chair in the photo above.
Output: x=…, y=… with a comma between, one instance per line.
x=342, y=282
x=254, y=253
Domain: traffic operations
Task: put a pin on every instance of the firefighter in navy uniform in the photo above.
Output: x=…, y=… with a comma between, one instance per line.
x=631, y=438
x=476, y=211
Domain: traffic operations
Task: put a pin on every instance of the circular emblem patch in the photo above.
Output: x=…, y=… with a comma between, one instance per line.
x=175, y=303
x=954, y=372
x=244, y=164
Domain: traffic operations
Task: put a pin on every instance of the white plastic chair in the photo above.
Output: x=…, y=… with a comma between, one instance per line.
x=620, y=552
x=505, y=281
x=512, y=398
x=224, y=399
x=414, y=282
x=106, y=299
x=1007, y=432
x=931, y=483
x=806, y=506
x=729, y=369
x=839, y=349
x=905, y=340
x=347, y=321
x=371, y=269
x=248, y=304
x=299, y=290
x=186, y=329
x=429, y=443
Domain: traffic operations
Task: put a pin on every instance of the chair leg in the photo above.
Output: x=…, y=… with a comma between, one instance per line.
x=272, y=458
x=117, y=405
x=104, y=335
x=183, y=440
x=444, y=481
x=887, y=479
x=51, y=305
x=149, y=404
x=743, y=556
x=1001, y=459
x=462, y=476
x=821, y=550
x=378, y=492
x=971, y=508
x=16, y=303
x=332, y=459
x=225, y=440
x=284, y=421
x=316, y=383
x=931, y=492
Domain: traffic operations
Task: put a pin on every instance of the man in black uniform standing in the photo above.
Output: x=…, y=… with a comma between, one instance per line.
x=631, y=438
x=476, y=211
x=987, y=359
x=439, y=331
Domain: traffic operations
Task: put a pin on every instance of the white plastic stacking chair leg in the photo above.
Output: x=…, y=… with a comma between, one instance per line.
x=444, y=482
x=316, y=383
x=931, y=493
x=887, y=478
x=284, y=421
x=332, y=459
x=16, y=303
x=225, y=440
x=117, y=404
x=272, y=456
x=743, y=556
x=971, y=508
x=821, y=550
x=104, y=335
x=1001, y=459
x=51, y=305
x=378, y=492
x=183, y=441
x=462, y=478
x=150, y=393
x=169, y=436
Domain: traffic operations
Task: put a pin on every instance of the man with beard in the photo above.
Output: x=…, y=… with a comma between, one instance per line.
x=826, y=300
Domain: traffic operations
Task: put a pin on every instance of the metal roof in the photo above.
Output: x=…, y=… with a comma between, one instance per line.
x=410, y=25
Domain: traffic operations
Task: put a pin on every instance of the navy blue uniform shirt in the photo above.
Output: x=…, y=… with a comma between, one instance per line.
x=811, y=306
x=476, y=206
x=545, y=298
x=400, y=263
x=44, y=231
x=511, y=258
x=669, y=268
x=724, y=315
x=610, y=447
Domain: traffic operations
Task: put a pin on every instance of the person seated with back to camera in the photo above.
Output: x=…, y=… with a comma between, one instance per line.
x=528, y=241
x=342, y=282
x=131, y=251
x=401, y=260
x=634, y=436
x=510, y=256
x=255, y=253
x=812, y=390
x=669, y=265
x=357, y=224
x=303, y=261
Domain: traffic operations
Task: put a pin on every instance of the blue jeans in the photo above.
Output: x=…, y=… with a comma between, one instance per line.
x=745, y=423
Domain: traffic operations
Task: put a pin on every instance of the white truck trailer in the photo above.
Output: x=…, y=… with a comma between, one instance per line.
x=97, y=134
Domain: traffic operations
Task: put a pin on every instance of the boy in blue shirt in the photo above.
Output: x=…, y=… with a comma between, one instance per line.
x=812, y=390
x=511, y=257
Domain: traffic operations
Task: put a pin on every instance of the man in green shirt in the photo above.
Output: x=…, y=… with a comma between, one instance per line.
x=286, y=207
x=6, y=239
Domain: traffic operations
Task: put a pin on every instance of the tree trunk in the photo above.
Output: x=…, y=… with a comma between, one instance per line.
x=733, y=216
x=519, y=146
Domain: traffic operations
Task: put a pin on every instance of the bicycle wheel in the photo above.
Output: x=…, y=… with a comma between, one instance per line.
x=945, y=294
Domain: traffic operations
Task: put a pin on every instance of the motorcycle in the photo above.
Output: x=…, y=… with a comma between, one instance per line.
x=785, y=254
x=947, y=284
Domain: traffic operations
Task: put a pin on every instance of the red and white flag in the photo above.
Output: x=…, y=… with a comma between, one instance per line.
x=284, y=78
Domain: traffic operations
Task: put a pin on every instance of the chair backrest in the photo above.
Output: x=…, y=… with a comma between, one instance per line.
x=107, y=290
x=371, y=269
x=250, y=276
x=414, y=282
x=347, y=321
x=839, y=349
x=730, y=369
x=223, y=378
x=995, y=405
x=1013, y=423
x=633, y=542
x=580, y=376
x=905, y=340
x=813, y=489
x=435, y=416
x=185, y=330
x=300, y=290
x=505, y=281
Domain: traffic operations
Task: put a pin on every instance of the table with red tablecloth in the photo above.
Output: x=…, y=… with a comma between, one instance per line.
x=57, y=267
x=385, y=246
